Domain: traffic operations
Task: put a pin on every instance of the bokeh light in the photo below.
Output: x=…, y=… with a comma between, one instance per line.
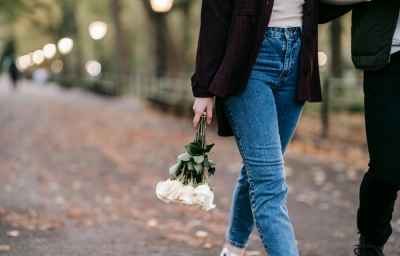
x=31, y=62
x=57, y=66
x=161, y=5
x=49, y=50
x=65, y=45
x=93, y=67
x=97, y=29
x=322, y=58
x=38, y=56
x=23, y=62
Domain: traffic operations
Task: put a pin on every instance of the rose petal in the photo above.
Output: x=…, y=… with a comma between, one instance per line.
x=186, y=196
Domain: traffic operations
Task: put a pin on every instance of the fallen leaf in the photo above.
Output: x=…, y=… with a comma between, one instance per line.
x=59, y=200
x=201, y=233
x=207, y=245
x=49, y=226
x=194, y=223
x=338, y=234
x=13, y=233
x=5, y=247
x=351, y=174
x=152, y=223
x=305, y=199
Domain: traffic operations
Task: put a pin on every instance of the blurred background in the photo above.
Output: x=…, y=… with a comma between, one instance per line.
x=95, y=102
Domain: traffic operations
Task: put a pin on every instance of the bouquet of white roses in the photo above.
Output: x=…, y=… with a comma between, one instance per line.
x=188, y=184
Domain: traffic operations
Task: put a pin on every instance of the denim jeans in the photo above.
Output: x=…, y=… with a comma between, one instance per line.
x=263, y=119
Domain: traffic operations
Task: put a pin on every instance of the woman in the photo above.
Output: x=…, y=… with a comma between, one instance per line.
x=259, y=58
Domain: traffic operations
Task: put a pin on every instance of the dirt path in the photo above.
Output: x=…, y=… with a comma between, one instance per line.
x=78, y=175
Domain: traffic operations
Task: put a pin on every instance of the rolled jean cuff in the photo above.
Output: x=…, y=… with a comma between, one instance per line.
x=237, y=245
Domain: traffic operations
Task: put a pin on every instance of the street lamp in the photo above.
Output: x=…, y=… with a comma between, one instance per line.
x=49, y=50
x=65, y=45
x=161, y=5
x=97, y=29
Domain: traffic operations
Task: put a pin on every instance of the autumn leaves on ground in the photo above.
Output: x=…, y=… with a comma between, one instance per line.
x=79, y=171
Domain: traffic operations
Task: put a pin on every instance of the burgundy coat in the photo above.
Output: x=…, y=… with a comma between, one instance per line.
x=231, y=36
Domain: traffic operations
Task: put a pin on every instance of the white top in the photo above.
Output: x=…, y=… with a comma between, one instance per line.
x=396, y=37
x=287, y=13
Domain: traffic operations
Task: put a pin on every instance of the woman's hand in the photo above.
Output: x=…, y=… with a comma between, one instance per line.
x=200, y=106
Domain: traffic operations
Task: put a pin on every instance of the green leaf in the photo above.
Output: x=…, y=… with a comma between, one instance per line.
x=194, y=149
x=209, y=147
x=211, y=170
x=175, y=168
x=184, y=157
x=198, y=159
x=211, y=162
x=198, y=168
x=205, y=162
x=190, y=165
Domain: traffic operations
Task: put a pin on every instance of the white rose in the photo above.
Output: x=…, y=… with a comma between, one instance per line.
x=161, y=190
x=203, y=197
x=186, y=197
x=174, y=190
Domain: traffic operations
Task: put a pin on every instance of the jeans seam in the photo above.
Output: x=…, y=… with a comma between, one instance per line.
x=248, y=175
x=239, y=203
x=282, y=74
x=293, y=52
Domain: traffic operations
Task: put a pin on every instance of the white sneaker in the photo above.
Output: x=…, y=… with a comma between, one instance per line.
x=225, y=253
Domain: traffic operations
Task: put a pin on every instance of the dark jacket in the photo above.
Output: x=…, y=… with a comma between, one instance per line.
x=373, y=27
x=231, y=35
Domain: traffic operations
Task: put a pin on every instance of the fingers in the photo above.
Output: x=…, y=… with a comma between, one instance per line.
x=197, y=116
x=202, y=105
x=209, y=112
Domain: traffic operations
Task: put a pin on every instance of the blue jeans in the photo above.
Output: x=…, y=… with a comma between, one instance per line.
x=263, y=119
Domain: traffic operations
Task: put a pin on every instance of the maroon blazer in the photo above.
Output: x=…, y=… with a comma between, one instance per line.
x=231, y=36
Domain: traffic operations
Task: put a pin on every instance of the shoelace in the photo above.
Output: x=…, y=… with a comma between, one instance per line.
x=362, y=250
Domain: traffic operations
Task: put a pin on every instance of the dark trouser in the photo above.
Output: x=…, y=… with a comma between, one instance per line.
x=381, y=183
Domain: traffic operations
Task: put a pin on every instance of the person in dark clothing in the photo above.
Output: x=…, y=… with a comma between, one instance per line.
x=376, y=50
x=14, y=73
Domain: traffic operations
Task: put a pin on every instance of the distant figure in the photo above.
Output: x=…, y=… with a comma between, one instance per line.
x=14, y=73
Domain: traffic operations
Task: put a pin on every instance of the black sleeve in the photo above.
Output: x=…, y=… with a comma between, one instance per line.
x=327, y=12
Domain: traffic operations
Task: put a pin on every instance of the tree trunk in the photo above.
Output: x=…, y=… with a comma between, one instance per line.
x=73, y=67
x=188, y=64
x=120, y=50
x=336, y=46
x=163, y=45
